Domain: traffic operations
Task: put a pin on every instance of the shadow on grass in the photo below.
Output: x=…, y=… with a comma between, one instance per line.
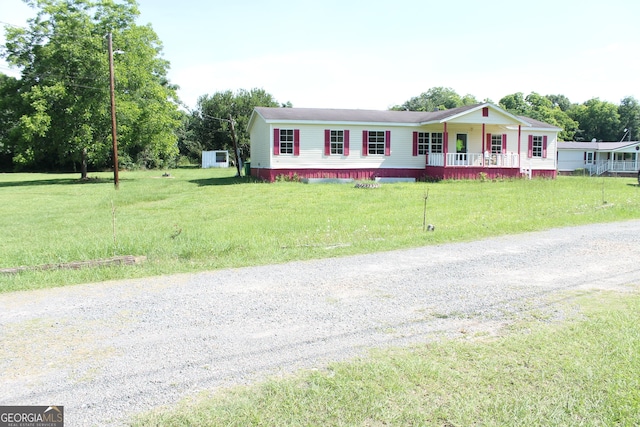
x=634, y=185
x=59, y=181
x=222, y=181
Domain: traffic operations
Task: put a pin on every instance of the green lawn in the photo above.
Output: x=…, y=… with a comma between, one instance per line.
x=580, y=372
x=206, y=219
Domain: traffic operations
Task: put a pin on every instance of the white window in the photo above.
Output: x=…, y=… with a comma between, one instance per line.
x=436, y=142
x=337, y=142
x=496, y=144
x=286, y=141
x=536, y=146
x=423, y=142
x=376, y=142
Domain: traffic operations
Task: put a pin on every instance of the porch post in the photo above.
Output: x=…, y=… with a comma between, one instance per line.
x=483, y=139
x=445, y=143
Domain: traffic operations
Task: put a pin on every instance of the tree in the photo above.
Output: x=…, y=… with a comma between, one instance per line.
x=598, y=120
x=436, y=98
x=516, y=104
x=65, y=83
x=560, y=101
x=629, y=111
x=210, y=120
x=541, y=108
x=11, y=108
x=188, y=143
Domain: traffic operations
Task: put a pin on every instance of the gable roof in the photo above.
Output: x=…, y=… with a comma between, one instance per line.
x=537, y=124
x=596, y=146
x=316, y=115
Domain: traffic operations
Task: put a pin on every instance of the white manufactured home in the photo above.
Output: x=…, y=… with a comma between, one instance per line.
x=460, y=143
x=597, y=158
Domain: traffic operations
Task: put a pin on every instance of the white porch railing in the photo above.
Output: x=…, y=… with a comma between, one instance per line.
x=435, y=159
x=612, y=166
x=507, y=160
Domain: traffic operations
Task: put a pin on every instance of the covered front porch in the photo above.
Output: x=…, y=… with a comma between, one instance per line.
x=486, y=142
x=475, y=165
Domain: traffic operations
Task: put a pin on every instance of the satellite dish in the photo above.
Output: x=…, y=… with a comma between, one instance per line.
x=594, y=140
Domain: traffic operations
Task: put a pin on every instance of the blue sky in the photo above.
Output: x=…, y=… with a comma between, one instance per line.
x=375, y=54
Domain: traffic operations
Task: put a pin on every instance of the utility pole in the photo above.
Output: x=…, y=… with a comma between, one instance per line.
x=235, y=145
x=114, y=133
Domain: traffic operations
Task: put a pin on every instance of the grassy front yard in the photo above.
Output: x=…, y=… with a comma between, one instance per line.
x=207, y=219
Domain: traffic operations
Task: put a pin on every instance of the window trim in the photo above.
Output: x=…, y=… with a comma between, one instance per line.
x=383, y=143
x=278, y=141
x=331, y=145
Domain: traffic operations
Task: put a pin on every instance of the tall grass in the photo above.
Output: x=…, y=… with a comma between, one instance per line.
x=206, y=219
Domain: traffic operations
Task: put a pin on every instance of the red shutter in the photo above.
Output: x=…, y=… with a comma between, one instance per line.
x=296, y=142
x=544, y=147
x=327, y=142
x=387, y=143
x=504, y=143
x=489, y=142
x=530, y=148
x=346, y=142
x=415, y=143
x=365, y=142
x=276, y=142
x=485, y=111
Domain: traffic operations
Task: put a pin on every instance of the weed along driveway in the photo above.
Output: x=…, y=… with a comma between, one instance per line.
x=107, y=351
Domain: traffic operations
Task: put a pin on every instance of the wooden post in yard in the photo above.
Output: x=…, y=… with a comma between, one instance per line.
x=235, y=145
x=114, y=133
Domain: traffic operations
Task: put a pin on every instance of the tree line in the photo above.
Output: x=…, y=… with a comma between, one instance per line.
x=593, y=119
x=56, y=116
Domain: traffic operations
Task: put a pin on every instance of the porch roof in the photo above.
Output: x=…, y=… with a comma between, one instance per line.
x=598, y=146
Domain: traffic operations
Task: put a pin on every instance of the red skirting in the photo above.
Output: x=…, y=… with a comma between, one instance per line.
x=433, y=172
x=360, y=174
x=480, y=172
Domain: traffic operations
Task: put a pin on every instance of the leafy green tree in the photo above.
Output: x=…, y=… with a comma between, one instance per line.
x=65, y=82
x=11, y=108
x=516, y=104
x=598, y=120
x=542, y=108
x=436, y=98
x=210, y=121
x=629, y=111
x=560, y=101
x=188, y=143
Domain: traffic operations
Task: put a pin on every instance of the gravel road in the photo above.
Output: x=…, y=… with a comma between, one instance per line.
x=109, y=350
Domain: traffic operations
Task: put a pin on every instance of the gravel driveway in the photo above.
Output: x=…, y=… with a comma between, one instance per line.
x=109, y=350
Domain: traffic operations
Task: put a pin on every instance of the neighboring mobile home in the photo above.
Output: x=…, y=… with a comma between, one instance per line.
x=460, y=143
x=597, y=158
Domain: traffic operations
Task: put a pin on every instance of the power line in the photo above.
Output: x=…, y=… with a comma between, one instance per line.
x=12, y=25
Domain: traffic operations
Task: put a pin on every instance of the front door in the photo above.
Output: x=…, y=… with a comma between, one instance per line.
x=461, y=147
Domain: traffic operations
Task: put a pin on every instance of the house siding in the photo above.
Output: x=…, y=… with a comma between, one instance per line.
x=568, y=161
x=312, y=153
x=261, y=135
x=539, y=163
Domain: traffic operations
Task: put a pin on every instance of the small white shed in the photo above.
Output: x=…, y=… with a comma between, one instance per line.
x=215, y=159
